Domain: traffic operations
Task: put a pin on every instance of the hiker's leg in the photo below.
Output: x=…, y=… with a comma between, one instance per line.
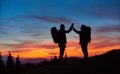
x=61, y=53
x=62, y=48
x=84, y=50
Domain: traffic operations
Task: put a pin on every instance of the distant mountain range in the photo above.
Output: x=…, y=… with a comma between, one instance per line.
x=27, y=60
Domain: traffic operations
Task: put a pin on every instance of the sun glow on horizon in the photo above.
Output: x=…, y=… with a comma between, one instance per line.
x=70, y=50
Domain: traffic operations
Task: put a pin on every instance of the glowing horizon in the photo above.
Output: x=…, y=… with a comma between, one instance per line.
x=72, y=50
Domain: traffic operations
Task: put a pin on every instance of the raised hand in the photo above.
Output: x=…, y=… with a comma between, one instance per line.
x=72, y=25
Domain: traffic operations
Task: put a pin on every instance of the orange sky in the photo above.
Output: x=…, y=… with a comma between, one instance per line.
x=72, y=50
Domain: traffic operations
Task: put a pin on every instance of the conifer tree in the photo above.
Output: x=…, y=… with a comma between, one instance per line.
x=18, y=65
x=10, y=64
x=2, y=65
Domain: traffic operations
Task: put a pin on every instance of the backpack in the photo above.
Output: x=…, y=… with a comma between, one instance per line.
x=55, y=35
x=88, y=32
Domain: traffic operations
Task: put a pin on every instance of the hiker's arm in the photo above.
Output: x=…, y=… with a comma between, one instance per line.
x=67, y=31
x=78, y=32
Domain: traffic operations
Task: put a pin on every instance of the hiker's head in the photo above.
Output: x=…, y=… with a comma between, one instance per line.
x=62, y=26
x=83, y=27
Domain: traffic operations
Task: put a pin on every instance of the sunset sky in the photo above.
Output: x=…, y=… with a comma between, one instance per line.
x=25, y=26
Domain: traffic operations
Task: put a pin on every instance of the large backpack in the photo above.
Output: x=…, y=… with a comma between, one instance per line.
x=88, y=31
x=55, y=35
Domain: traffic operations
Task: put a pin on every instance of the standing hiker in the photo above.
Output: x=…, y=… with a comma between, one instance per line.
x=60, y=36
x=85, y=38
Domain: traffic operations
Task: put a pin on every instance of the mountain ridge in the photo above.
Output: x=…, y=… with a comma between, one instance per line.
x=106, y=63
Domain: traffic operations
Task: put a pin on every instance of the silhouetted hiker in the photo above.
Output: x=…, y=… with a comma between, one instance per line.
x=59, y=36
x=85, y=38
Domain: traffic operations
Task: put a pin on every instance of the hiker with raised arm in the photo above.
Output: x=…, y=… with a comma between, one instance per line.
x=61, y=39
x=84, y=39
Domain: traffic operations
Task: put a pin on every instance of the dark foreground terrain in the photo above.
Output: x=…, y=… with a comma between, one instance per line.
x=107, y=63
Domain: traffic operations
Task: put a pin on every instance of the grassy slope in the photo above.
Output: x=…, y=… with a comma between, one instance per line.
x=102, y=64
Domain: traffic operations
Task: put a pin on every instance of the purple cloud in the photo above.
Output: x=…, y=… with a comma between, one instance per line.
x=3, y=31
x=113, y=28
x=105, y=11
x=101, y=10
x=50, y=19
x=29, y=44
x=105, y=43
x=37, y=34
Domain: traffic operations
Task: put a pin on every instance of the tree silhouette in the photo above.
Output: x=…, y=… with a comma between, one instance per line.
x=10, y=64
x=55, y=60
x=65, y=55
x=18, y=65
x=2, y=65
